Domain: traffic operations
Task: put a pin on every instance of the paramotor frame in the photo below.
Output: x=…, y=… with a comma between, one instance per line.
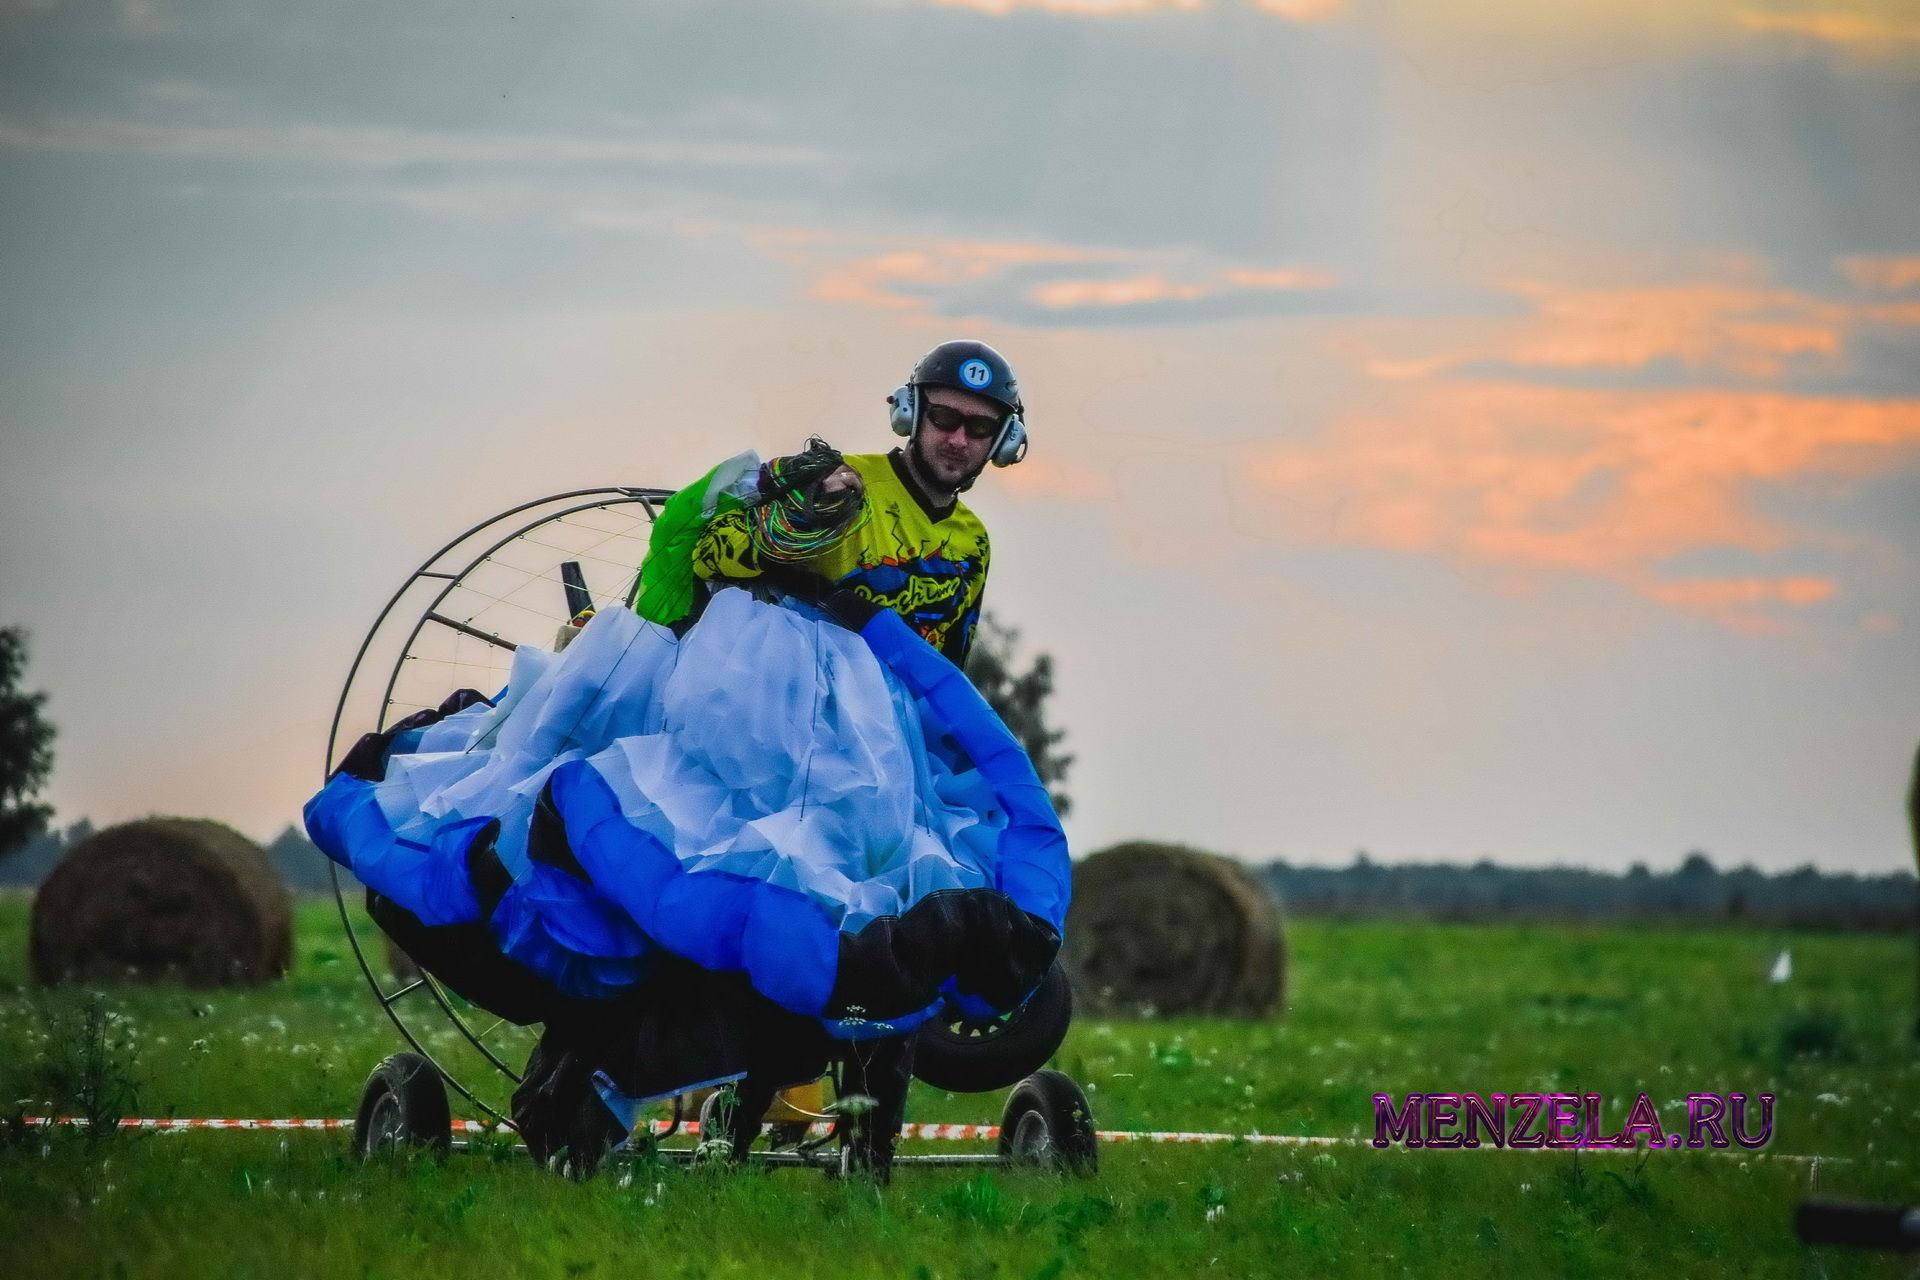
x=512, y=579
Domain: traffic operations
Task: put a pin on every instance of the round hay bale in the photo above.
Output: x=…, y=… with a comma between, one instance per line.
x=163, y=900
x=1159, y=929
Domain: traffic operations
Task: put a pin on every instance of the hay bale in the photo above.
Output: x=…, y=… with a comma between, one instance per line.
x=1913, y=807
x=1168, y=930
x=163, y=900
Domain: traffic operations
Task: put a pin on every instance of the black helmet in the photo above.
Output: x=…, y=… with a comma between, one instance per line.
x=969, y=366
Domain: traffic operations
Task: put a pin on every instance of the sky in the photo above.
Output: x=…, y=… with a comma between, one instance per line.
x=1460, y=429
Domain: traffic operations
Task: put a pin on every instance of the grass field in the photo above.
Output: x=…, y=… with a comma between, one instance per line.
x=1375, y=1007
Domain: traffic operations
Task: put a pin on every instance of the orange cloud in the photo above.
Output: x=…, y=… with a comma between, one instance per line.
x=1720, y=593
x=1884, y=275
x=1112, y=293
x=1054, y=476
x=1301, y=10
x=1696, y=323
x=875, y=279
x=1086, y=7
x=1283, y=278
x=1745, y=330
x=1156, y=287
x=1293, y=10
x=1732, y=601
x=1606, y=483
x=1854, y=29
x=899, y=273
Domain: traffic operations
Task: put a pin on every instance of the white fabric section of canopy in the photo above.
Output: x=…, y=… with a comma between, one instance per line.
x=769, y=742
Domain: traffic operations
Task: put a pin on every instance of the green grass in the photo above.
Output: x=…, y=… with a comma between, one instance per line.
x=1374, y=1007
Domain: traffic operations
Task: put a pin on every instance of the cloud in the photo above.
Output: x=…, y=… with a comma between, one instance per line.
x=1302, y=10
x=191, y=92
x=1089, y=8
x=1718, y=594
x=1293, y=10
x=1744, y=331
x=1281, y=278
x=1594, y=32
x=1883, y=275
x=388, y=147
x=1856, y=30
x=902, y=275
x=1618, y=485
x=1152, y=287
x=145, y=17
x=906, y=273
x=1156, y=287
x=1059, y=477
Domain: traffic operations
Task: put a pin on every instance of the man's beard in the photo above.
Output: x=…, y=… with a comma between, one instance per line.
x=935, y=472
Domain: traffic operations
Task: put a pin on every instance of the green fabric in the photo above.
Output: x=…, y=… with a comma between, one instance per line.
x=666, y=577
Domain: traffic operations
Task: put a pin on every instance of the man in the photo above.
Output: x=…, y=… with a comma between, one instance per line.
x=890, y=528
x=915, y=548
x=856, y=535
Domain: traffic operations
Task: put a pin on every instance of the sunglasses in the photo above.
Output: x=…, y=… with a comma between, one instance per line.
x=978, y=426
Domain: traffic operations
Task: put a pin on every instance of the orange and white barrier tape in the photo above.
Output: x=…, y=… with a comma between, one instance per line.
x=168, y=1122
x=933, y=1132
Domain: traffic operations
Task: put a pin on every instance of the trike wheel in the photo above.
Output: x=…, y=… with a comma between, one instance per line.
x=967, y=1055
x=404, y=1104
x=1048, y=1125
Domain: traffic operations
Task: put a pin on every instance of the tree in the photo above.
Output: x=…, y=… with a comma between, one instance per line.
x=1020, y=698
x=26, y=748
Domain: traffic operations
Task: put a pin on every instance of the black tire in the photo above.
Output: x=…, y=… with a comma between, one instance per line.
x=1048, y=1125
x=590, y=1139
x=964, y=1055
x=404, y=1104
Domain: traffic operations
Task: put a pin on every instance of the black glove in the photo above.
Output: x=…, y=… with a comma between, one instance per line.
x=843, y=604
x=799, y=473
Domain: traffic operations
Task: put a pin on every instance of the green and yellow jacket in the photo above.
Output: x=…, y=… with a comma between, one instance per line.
x=927, y=564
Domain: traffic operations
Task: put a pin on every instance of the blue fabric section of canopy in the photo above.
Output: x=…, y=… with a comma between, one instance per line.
x=1032, y=866
x=596, y=939
x=429, y=880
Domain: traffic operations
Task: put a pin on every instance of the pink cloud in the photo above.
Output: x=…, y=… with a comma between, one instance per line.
x=1152, y=287
x=845, y=271
x=1746, y=330
x=1054, y=475
x=1859, y=30
x=1155, y=286
x=901, y=273
x=1884, y=275
x=1292, y=10
x=1280, y=278
x=1302, y=10
x=1602, y=483
x=1089, y=8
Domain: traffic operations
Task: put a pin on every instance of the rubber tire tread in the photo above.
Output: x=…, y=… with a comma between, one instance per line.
x=425, y=1118
x=1023, y=1044
x=1068, y=1116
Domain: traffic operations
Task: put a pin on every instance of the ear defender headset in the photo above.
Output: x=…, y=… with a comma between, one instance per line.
x=965, y=366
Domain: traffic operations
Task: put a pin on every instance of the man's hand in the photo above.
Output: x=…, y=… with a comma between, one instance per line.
x=843, y=480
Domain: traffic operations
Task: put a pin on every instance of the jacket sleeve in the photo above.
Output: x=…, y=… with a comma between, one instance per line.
x=725, y=549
